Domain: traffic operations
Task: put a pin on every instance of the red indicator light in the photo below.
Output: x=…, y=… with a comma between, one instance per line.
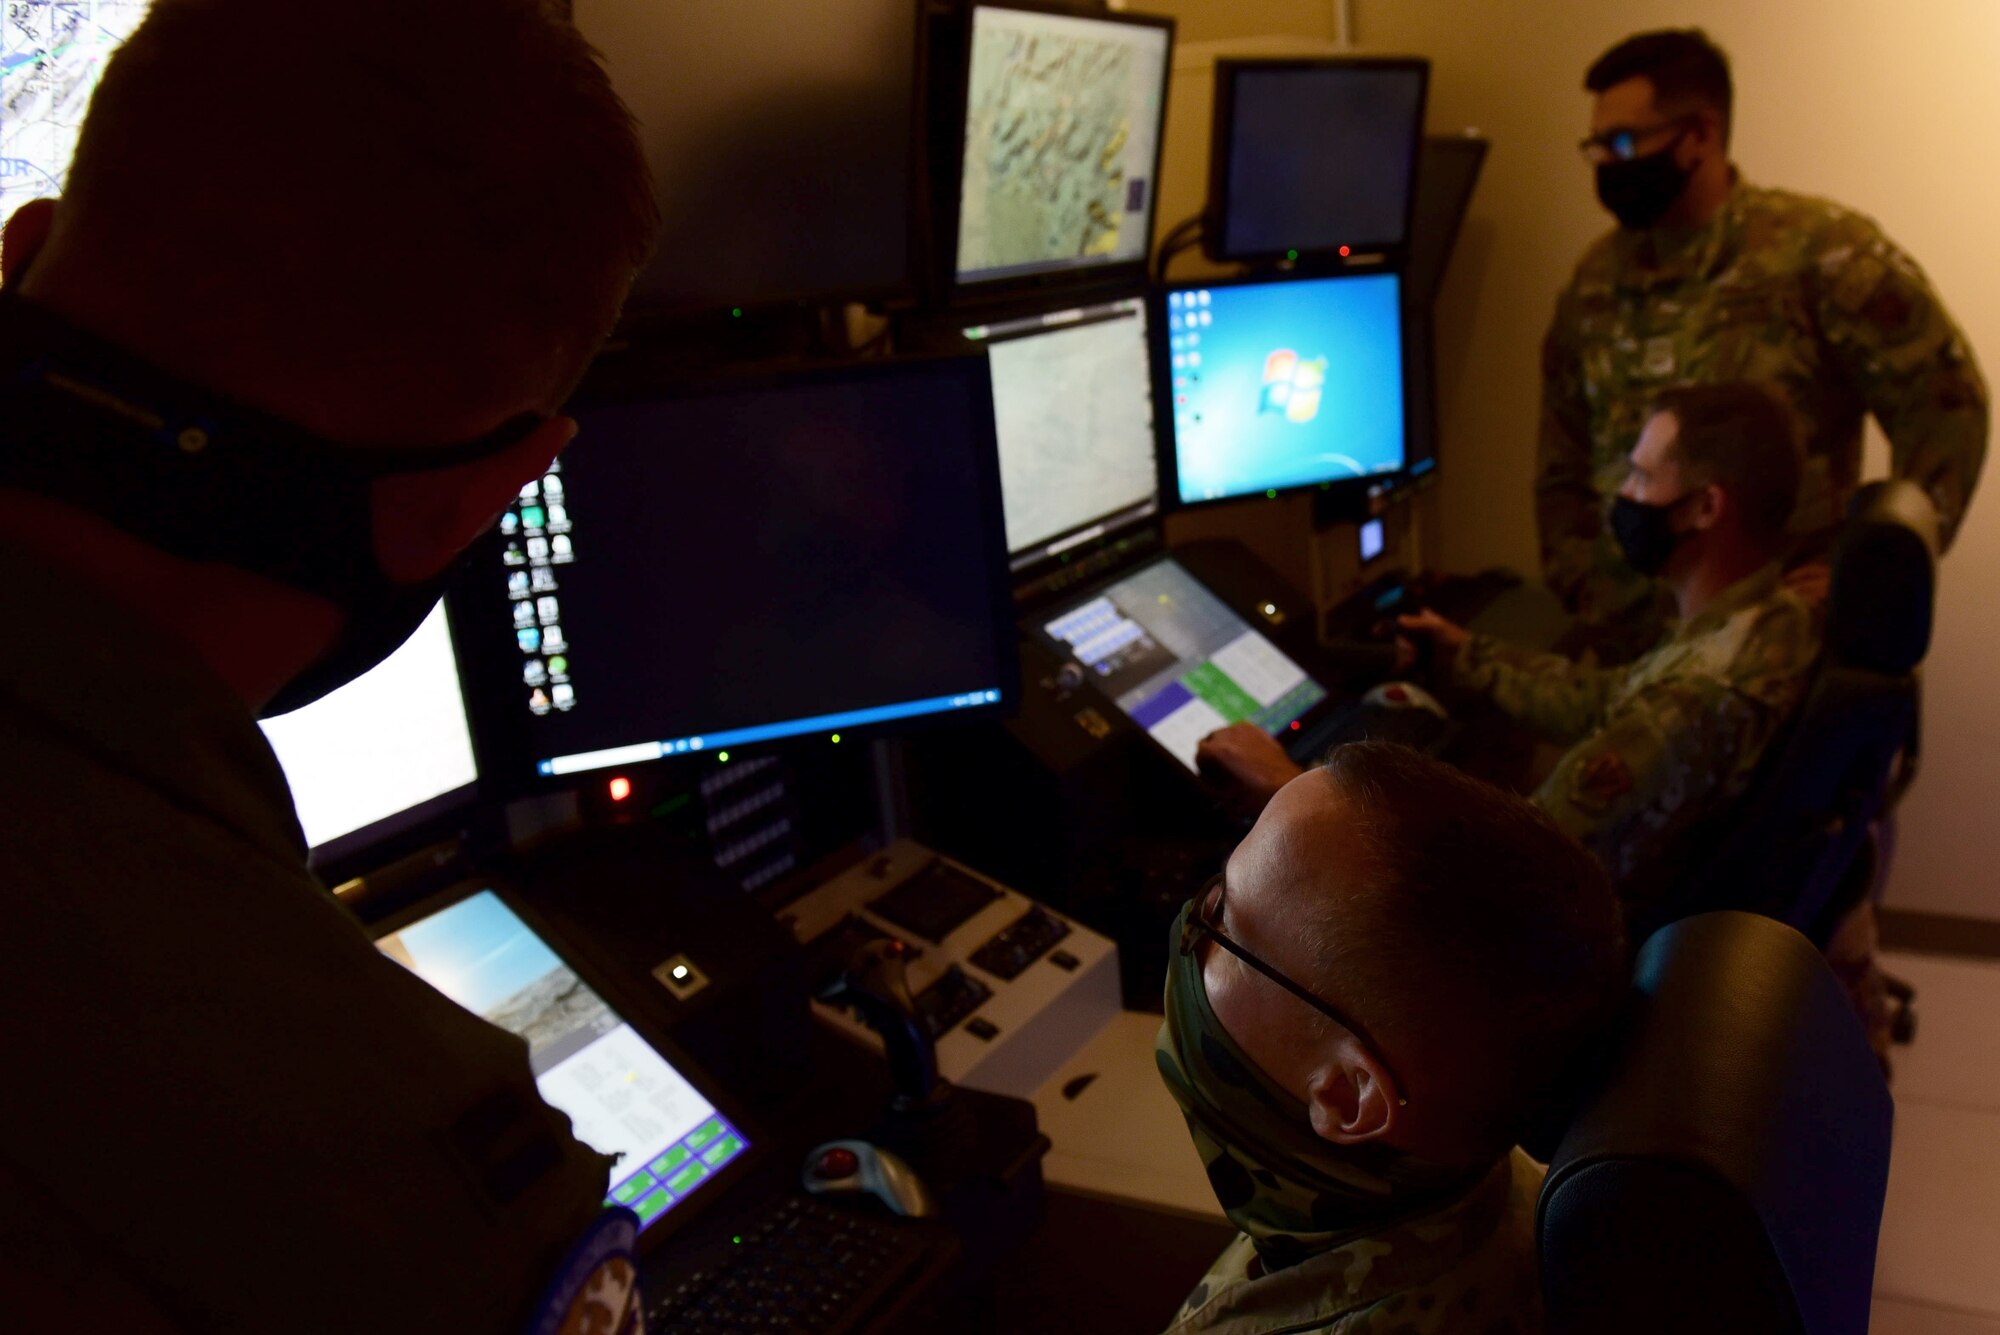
x=1343, y=252
x=621, y=788
x=1295, y=725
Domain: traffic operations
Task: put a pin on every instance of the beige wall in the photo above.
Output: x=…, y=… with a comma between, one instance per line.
x=1892, y=109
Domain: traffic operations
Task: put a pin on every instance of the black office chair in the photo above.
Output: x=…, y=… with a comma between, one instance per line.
x=1728, y=1175
x=1798, y=846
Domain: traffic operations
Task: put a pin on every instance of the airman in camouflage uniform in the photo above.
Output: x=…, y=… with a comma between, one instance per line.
x=1663, y=746
x=1777, y=288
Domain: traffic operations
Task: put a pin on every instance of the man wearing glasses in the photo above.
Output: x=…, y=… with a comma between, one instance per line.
x=1708, y=278
x=1397, y=969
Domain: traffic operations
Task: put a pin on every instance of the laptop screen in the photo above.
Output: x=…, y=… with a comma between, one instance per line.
x=622, y=1096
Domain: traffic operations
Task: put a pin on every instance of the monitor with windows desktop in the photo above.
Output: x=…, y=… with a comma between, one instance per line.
x=1282, y=384
x=1063, y=117
x=1073, y=405
x=816, y=552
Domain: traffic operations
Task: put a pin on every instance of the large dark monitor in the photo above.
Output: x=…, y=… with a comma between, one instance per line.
x=814, y=552
x=1061, y=161
x=783, y=145
x=1282, y=384
x=1309, y=156
x=386, y=755
x=1446, y=174
x=1073, y=399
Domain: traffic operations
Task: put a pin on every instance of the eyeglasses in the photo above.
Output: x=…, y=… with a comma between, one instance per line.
x=1622, y=145
x=1206, y=921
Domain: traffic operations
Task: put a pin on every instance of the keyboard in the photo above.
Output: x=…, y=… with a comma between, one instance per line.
x=805, y=1266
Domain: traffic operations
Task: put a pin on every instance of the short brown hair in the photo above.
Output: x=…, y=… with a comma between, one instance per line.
x=438, y=200
x=1686, y=69
x=1477, y=919
x=1743, y=438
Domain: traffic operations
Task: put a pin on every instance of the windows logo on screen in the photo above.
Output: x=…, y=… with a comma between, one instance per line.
x=1292, y=385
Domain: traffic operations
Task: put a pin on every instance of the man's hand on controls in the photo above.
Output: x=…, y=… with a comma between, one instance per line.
x=1246, y=765
x=1444, y=637
x=1811, y=582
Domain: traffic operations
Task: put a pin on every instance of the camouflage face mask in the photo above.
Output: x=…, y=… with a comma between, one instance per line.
x=1294, y=1193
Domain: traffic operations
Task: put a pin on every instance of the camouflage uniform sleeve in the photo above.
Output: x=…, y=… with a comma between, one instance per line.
x=1908, y=360
x=1559, y=698
x=1633, y=790
x=1567, y=514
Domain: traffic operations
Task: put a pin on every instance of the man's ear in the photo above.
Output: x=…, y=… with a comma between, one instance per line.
x=424, y=520
x=1350, y=1097
x=1710, y=506
x=23, y=235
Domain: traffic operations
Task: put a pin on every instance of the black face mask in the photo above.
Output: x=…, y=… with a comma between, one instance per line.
x=1645, y=533
x=1639, y=191
x=199, y=477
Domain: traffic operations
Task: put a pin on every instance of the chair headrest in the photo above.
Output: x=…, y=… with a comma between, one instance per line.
x=1878, y=613
x=1743, y=1075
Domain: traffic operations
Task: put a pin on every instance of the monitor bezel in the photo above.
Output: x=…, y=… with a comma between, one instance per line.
x=1028, y=564
x=1169, y=448
x=1221, y=159
x=503, y=731
x=961, y=291
x=631, y=1007
x=1468, y=146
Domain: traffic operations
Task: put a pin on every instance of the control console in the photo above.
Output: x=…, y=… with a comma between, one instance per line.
x=1007, y=988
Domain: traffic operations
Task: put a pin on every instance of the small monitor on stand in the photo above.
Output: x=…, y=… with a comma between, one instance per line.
x=1313, y=157
x=384, y=758
x=1059, y=173
x=1283, y=385
x=1073, y=402
x=813, y=553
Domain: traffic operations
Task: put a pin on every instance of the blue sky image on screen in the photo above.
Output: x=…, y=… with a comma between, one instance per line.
x=1285, y=384
x=477, y=952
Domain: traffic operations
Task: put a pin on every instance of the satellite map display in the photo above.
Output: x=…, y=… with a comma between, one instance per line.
x=1062, y=125
x=51, y=54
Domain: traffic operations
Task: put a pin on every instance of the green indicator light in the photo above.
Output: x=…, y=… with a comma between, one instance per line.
x=836, y=739
x=738, y=1240
x=735, y=312
x=1272, y=494
x=723, y=757
x=1291, y=254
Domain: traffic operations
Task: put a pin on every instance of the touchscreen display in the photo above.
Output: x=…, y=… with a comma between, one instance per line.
x=1178, y=662
x=622, y=1097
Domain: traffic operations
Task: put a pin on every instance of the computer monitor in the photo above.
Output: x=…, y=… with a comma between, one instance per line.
x=1308, y=156
x=1073, y=402
x=812, y=553
x=1282, y=384
x=783, y=142
x=1061, y=160
x=1177, y=661
x=387, y=754
x=1447, y=171
x=622, y=1096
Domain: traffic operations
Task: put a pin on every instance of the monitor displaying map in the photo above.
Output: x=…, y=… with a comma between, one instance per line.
x=1073, y=403
x=52, y=53
x=1062, y=142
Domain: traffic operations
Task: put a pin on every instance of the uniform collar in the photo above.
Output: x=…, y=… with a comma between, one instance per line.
x=1345, y=1278
x=1746, y=592
x=143, y=703
x=1666, y=256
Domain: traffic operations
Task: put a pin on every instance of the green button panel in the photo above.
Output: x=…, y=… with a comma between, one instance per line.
x=652, y=1206
x=633, y=1188
x=671, y=1160
x=704, y=1133
x=721, y=1152
x=683, y=1181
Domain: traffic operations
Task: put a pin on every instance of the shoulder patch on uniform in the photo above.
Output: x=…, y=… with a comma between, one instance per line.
x=1601, y=780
